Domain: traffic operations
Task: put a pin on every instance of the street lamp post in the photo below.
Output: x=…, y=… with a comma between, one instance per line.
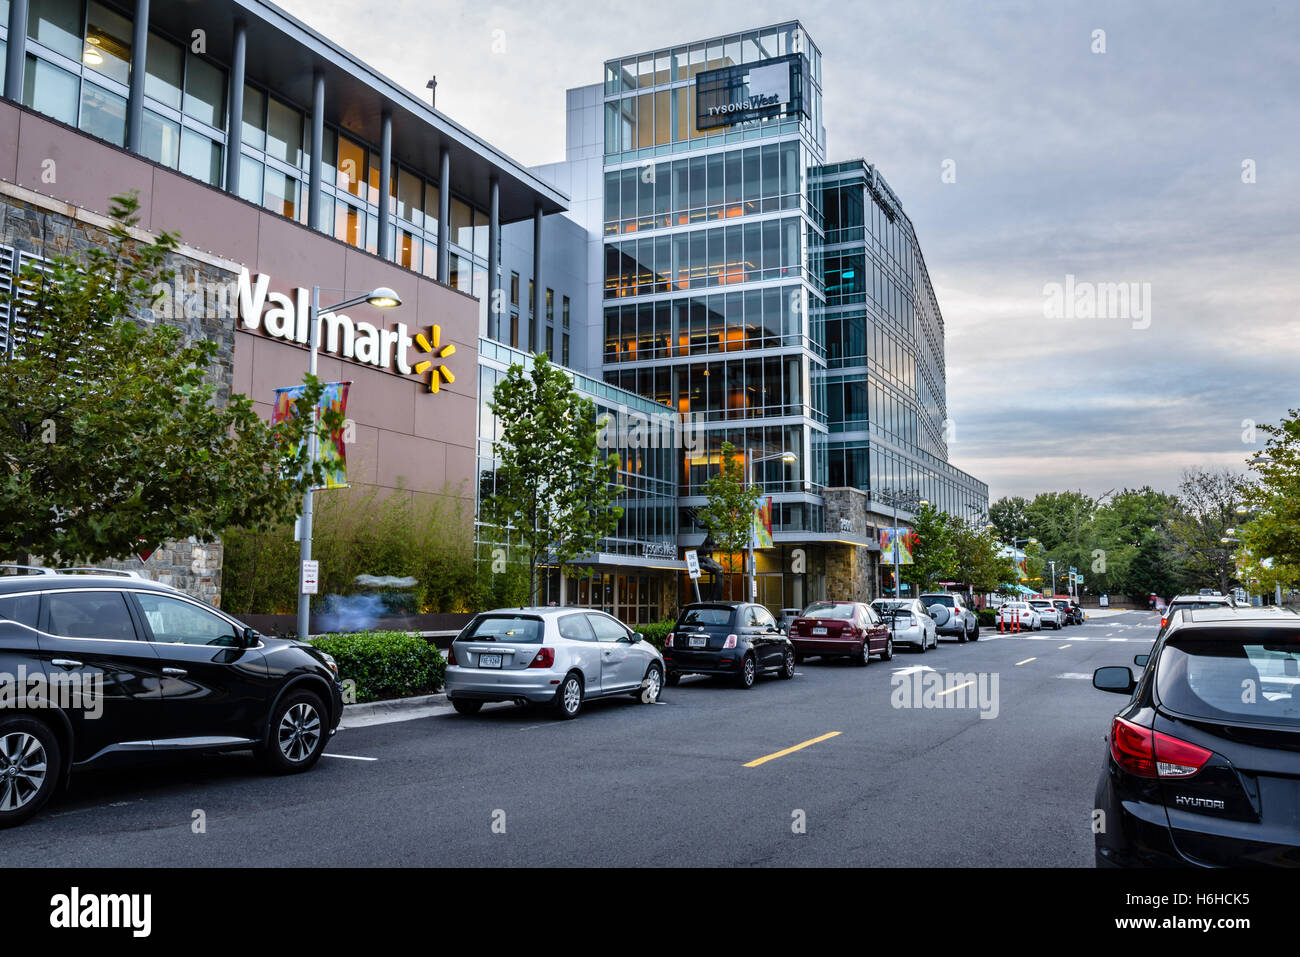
x=381, y=298
x=788, y=457
x=1015, y=543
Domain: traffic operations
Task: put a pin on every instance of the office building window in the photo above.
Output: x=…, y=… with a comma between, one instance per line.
x=51, y=91
x=514, y=288
x=108, y=43
x=550, y=305
x=205, y=91
x=564, y=311
x=550, y=342
x=57, y=25
x=164, y=74
x=514, y=330
x=103, y=114
x=564, y=345
x=200, y=158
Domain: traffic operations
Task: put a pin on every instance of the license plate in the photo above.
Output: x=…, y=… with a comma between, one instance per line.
x=489, y=661
x=819, y=631
x=699, y=641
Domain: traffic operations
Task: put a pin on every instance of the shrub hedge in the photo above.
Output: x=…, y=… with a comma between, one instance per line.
x=386, y=664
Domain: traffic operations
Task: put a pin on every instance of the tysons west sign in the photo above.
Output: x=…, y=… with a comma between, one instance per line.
x=288, y=317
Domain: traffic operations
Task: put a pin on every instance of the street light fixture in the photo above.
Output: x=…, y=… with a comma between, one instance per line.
x=380, y=297
x=789, y=458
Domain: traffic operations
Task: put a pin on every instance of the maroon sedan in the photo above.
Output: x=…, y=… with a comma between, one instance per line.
x=841, y=629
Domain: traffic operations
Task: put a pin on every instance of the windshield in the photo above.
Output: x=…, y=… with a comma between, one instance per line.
x=828, y=609
x=516, y=628
x=706, y=616
x=890, y=607
x=1254, y=678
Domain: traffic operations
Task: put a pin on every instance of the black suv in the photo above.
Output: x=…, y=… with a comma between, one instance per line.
x=727, y=638
x=98, y=668
x=1202, y=768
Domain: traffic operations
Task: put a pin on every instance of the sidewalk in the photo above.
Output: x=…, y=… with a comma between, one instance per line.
x=396, y=709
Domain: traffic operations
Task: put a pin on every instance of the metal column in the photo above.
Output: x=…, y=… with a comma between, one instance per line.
x=236, y=127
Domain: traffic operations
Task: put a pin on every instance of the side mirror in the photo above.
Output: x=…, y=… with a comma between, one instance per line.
x=1117, y=679
x=1141, y=660
x=637, y=637
x=249, y=638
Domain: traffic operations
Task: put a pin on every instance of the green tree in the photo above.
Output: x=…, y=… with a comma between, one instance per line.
x=1209, y=501
x=111, y=436
x=934, y=554
x=728, y=510
x=978, y=563
x=554, y=496
x=1008, y=516
x=1274, y=533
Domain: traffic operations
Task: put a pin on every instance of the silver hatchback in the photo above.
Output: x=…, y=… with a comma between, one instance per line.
x=556, y=656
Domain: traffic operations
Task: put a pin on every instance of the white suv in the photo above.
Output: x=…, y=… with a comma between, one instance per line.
x=952, y=615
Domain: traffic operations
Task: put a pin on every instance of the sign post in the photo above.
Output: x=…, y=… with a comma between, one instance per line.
x=693, y=569
x=310, y=577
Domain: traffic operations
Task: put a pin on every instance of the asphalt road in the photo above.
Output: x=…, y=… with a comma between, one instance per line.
x=634, y=784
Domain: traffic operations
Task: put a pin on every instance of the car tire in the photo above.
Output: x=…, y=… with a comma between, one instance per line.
x=672, y=678
x=923, y=644
x=32, y=746
x=787, y=665
x=888, y=653
x=748, y=673
x=568, y=698
x=651, y=686
x=466, y=706
x=975, y=634
x=863, y=657
x=961, y=638
x=297, y=735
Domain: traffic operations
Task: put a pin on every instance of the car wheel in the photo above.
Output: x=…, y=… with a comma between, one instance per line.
x=923, y=644
x=651, y=685
x=30, y=760
x=787, y=665
x=465, y=706
x=888, y=653
x=961, y=638
x=568, y=698
x=748, y=672
x=297, y=734
x=863, y=657
x=975, y=633
x=672, y=679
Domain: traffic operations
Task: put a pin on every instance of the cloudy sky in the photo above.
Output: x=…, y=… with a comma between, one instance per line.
x=1122, y=166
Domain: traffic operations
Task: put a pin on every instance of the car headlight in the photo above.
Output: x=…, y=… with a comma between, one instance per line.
x=330, y=663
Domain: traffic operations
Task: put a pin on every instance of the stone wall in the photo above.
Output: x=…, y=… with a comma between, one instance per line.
x=850, y=569
x=46, y=228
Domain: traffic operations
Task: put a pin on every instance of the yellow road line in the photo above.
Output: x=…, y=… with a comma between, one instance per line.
x=783, y=753
x=1025, y=662
x=956, y=688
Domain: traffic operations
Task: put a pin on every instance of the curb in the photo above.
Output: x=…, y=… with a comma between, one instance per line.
x=369, y=708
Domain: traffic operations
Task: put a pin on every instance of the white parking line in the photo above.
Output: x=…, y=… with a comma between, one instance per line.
x=347, y=757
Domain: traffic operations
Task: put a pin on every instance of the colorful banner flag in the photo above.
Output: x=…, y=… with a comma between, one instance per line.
x=332, y=452
x=901, y=540
x=763, y=523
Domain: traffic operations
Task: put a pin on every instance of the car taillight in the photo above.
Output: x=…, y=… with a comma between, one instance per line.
x=668, y=642
x=1152, y=754
x=1176, y=758
x=911, y=621
x=451, y=654
x=1130, y=746
x=1164, y=620
x=544, y=658
x=730, y=642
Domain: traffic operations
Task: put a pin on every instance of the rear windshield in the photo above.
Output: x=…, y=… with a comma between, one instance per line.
x=829, y=609
x=516, y=628
x=889, y=607
x=938, y=600
x=1041, y=604
x=1253, y=679
x=707, y=616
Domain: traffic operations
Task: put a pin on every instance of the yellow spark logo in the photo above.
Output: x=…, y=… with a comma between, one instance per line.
x=438, y=351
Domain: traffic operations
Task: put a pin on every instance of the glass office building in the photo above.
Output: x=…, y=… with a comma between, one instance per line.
x=779, y=301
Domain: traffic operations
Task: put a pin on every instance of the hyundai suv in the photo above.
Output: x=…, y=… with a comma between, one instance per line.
x=100, y=667
x=1202, y=768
